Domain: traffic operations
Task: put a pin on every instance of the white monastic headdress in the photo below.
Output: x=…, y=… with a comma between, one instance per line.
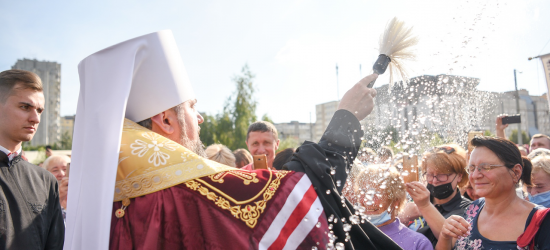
x=135, y=79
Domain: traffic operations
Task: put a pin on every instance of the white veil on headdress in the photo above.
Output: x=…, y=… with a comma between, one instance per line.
x=135, y=79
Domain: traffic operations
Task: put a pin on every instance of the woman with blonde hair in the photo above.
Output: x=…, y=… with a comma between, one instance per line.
x=221, y=154
x=380, y=192
x=539, y=191
x=57, y=165
x=444, y=170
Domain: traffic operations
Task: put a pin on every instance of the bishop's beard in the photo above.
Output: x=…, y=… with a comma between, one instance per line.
x=196, y=145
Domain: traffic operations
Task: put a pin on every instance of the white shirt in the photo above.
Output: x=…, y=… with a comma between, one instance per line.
x=7, y=152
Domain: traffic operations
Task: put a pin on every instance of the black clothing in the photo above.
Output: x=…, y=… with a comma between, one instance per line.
x=455, y=206
x=335, y=152
x=30, y=213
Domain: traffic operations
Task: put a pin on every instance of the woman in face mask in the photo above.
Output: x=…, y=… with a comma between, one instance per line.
x=540, y=179
x=444, y=170
x=380, y=192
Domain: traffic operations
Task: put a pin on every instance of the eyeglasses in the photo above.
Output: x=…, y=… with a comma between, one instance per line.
x=483, y=167
x=446, y=149
x=438, y=177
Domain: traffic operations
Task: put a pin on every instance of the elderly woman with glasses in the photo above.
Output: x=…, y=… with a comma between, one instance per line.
x=444, y=169
x=500, y=217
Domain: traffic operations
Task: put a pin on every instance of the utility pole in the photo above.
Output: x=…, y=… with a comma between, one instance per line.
x=337, y=85
x=520, y=137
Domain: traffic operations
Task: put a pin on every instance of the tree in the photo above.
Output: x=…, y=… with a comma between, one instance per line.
x=488, y=133
x=514, y=136
x=231, y=125
x=244, y=107
x=288, y=142
x=208, y=129
x=66, y=142
x=376, y=138
x=266, y=118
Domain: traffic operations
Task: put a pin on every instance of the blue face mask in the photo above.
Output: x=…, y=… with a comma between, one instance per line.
x=379, y=219
x=542, y=199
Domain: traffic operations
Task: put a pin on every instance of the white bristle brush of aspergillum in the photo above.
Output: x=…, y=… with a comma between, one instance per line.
x=396, y=45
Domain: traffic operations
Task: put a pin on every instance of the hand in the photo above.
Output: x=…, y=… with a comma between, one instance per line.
x=455, y=227
x=359, y=100
x=499, y=125
x=419, y=194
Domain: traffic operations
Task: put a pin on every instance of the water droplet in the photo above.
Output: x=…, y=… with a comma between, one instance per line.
x=347, y=227
x=330, y=218
x=340, y=246
x=328, y=191
x=354, y=219
x=338, y=183
x=318, y=225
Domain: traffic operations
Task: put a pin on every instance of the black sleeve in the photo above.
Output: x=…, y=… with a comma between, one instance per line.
x=56, y=234
x=542, y=241
x=326, y=163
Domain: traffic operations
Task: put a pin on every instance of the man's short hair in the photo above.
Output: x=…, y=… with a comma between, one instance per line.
x=262, y=126
x=540, y=136
x=12, y=77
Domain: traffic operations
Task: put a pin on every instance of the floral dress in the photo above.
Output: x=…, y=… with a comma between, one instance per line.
x=475, y=240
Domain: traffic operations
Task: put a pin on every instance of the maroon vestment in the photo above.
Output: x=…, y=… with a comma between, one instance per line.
x=228, y=210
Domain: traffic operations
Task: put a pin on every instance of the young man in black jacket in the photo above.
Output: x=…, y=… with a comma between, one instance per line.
x=30, y=214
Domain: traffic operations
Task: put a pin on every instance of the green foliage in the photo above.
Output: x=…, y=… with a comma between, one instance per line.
x=208, y=129
x=41, y=156
x=377, y=138
x=288, y=142
x=266, y=118
x=231, y=125
x=514, y=137
x=488, y=133
x=66, y=142
x=26, y=145
x=244, y=107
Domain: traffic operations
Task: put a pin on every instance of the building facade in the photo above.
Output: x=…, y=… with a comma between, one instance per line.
x=535, y=116
x=49, y=130
x=67, y=125
x=297, y=130
x=323, y=114
x=447, y=105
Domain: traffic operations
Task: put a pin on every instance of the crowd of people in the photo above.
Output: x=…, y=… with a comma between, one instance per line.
x=326, y=195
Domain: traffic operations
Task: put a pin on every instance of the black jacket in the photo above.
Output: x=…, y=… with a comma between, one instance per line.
x=336, y=150
x=30, y=213
x=455, y=206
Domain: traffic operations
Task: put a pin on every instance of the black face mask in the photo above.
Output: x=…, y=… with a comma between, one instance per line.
x=442, y=191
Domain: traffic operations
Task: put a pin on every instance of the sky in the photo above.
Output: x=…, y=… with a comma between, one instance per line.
x=292, y=47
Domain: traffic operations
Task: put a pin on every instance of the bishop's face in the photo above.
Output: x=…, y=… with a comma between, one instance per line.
x=189, y=120
x=192, y=120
